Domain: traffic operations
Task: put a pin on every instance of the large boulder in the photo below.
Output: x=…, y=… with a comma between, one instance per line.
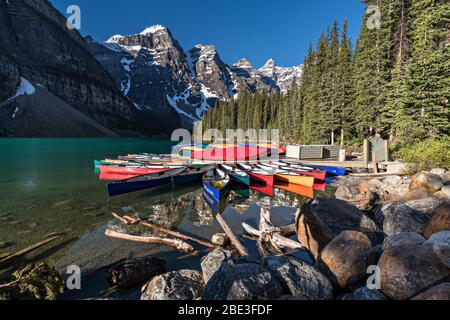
x=176, y=285
x=403, y=238
x=213, y=261
x=300, y=279
x=399, y=217
x=322, y=219
x=134, y=272
x=440, y=242
x=364, y=294
x=440, y=220
x=407, y=270
x=247, y=281
x=440, y=292
x=347, y=257
x=427, y=181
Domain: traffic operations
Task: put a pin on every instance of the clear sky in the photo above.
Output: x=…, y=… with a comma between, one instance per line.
x=254, y=29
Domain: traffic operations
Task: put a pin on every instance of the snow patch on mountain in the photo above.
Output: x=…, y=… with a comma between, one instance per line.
x=153, y=29
x=25, y=88
x=173, y=102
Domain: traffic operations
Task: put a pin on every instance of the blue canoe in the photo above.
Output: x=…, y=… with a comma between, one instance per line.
x=174, y=177
x=335, y=171
x=216, y=190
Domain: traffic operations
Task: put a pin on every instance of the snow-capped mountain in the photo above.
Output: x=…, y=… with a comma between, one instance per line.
x=281, y=75
x=159, y=77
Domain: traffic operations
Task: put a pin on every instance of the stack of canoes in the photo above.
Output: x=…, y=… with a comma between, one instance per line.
x=145, y=171
x=229, y=152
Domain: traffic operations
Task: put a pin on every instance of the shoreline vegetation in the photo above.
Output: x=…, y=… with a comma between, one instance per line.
x=384, y=222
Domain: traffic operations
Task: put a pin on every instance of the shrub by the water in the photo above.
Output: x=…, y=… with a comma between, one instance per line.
x=426, y=155
x=38, y=282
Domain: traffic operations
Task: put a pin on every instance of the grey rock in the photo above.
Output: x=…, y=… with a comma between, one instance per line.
x=220, y=239
x=131, y=273
x=403, y=238
x=347, y=191
x=213, y=261
x=300, y=279
x=176, y=285
x=399, y=217
x=440, y=242
x=242, y=282
x=364, y=294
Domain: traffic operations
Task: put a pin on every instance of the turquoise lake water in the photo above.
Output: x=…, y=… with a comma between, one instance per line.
x=50, y=186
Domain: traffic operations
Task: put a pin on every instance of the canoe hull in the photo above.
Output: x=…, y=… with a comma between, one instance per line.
x=335, y=171
x=295, y=179
x=216, y=199
x=297, y=189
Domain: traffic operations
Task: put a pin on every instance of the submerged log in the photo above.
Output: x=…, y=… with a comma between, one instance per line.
x=173, y=243
x=27, y=250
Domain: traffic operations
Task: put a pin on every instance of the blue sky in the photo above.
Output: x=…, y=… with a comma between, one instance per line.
x=254, y=29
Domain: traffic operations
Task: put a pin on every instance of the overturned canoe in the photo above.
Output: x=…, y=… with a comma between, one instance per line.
x=113, y=173
x=176, y=177
x=142, y=182
x=260, y=180
x=288, y=176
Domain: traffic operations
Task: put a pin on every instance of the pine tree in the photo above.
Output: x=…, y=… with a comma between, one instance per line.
x=426, y=112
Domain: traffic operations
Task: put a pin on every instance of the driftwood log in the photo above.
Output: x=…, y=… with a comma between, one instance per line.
x=233, y=238
x=271, y=238
x=173, y=243
x=130, y=220
x=27, y=250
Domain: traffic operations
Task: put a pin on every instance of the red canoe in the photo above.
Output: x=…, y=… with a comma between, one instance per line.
x=113, y=173
x=260, y=180
x=319, y=175
x=231, y=154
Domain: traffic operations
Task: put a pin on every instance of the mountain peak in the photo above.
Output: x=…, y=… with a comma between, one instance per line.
x=114, y=39
x=243, y=63
x=153, y=29
x=270, y=64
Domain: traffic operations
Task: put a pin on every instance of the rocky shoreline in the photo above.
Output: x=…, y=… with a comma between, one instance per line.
x=380, y=239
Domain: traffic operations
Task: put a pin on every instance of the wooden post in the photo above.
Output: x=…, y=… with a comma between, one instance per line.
x=366, y=153
x=233, y=238
x=342, y=138
x=386, y=150
x=332, y=138
x=374, y=162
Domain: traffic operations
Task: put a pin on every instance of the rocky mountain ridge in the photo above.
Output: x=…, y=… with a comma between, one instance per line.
x=158, y=76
